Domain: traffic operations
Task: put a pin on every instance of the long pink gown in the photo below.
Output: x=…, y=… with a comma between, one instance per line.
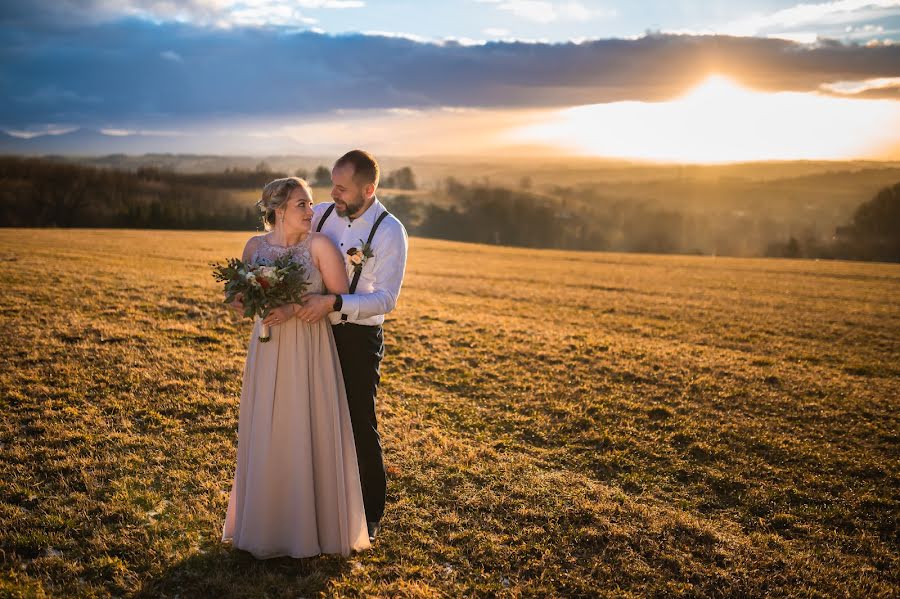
x=296, y=489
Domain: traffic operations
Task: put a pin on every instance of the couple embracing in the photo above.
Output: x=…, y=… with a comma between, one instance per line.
x=310, y=476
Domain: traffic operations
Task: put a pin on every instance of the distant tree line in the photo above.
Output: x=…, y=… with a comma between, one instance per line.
x=402, y=178
x=872, y=234
x=230, y=178
x=579, y=219
x=38, y=192
x=42, y=193
x=563, y=219
x=485, y=214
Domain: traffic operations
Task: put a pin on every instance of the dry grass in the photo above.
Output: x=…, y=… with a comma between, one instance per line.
x=556, y=424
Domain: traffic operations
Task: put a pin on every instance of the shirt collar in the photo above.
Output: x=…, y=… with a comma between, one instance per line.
x=371, y=213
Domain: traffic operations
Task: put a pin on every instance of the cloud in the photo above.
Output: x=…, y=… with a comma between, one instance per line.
x=576, y=11
x=398, y=35
x=839, y=12
x=172, y=56
x=531, y=10
x=112, y=75
x=51, y=95
x=46, y=130
x=542, y=11
x=330, y=3
x=884, y=87
x=265, y=13
x=800, y=37
x=112, y=132
x=860, y=21
x=215, y=13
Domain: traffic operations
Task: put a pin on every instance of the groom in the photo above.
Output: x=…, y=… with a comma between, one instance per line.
x=356, y=220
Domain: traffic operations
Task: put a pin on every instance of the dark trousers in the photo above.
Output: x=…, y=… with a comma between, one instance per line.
x=360, y=349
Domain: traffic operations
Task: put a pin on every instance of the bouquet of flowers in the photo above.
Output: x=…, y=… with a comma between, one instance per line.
x=264, y=285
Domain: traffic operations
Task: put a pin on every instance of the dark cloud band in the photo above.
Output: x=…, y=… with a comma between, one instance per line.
x=135, y=72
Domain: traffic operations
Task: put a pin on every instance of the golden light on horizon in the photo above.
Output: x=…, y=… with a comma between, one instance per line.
x=721, y=121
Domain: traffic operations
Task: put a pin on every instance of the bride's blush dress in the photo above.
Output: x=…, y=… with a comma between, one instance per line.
x=296, y=489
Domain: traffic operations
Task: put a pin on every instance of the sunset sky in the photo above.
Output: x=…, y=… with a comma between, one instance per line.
x=686, y=81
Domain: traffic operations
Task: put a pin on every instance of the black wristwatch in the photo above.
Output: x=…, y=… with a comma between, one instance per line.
x=338, y=303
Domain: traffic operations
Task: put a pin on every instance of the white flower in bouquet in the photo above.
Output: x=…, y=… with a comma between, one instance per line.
x=263, y=286
x=269, y=273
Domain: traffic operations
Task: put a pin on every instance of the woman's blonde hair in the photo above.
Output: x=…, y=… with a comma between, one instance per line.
x=275, y=194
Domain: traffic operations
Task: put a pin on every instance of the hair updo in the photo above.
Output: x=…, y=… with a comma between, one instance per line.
x=275, y=195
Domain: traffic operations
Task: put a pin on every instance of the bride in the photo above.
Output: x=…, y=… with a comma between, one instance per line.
x=296, y=489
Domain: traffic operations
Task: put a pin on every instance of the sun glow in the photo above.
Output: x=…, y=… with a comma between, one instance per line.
x=720, y=121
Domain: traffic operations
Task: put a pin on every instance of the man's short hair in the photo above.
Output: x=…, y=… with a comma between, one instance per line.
x=365, y=167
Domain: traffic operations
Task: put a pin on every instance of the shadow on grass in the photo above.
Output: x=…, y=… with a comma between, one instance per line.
x=225, y=572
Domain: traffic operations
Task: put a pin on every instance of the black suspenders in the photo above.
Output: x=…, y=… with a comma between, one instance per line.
x=325, y=216
x=356, y=274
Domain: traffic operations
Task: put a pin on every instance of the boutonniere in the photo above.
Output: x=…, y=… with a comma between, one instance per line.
x=357, y=256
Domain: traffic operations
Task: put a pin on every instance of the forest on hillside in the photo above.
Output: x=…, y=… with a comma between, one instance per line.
x=51, y=193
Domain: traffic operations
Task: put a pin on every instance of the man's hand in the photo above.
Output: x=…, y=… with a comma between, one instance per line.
x=315, y=307
x=279, y=315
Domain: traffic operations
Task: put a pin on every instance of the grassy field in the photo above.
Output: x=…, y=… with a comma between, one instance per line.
x=556, y=424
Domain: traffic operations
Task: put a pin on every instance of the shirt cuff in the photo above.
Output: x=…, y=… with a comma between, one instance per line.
x=351, y=305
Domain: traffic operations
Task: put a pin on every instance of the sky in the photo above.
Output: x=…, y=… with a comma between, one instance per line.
x=676, y=80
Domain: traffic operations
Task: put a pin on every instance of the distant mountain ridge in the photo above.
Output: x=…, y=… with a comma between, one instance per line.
x=129, y=152
x=91, y=142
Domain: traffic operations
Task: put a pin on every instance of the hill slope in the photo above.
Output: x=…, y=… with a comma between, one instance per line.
x=555, y=424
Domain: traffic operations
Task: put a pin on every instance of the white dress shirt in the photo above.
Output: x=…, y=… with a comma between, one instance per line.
x=382, y=274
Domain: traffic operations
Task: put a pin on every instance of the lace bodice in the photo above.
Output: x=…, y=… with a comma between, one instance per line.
x=300, y=252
